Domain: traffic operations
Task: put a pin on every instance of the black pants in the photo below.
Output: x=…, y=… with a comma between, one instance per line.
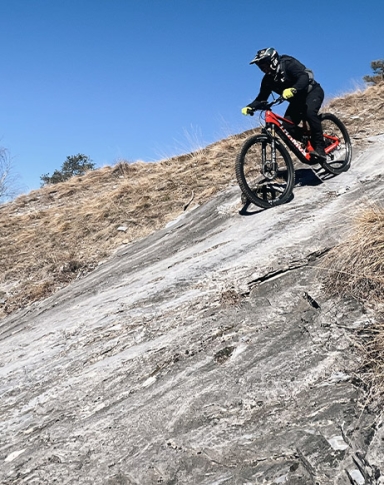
x=306, y=106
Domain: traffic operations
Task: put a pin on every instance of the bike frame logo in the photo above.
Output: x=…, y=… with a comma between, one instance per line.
x=275, y=119
x=295, y=142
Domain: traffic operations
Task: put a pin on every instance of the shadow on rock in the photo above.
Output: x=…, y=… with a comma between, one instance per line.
x=255, y=209
x=307, y=177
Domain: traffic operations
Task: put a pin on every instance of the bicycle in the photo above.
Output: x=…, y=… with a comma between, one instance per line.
x=264, y=168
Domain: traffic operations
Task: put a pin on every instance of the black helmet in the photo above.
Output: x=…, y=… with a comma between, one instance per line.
x=266, y=59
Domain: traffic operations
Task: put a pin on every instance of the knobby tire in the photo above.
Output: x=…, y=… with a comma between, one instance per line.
x=339, y=160
x=262, y=187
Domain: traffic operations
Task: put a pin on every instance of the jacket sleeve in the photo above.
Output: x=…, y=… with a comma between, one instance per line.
x=296, y=71
x=265, y=92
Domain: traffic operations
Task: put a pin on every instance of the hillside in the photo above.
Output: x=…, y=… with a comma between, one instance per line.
x=54, y=235
x=225, y=348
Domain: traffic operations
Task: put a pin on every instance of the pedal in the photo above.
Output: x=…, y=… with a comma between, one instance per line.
x=317, y=157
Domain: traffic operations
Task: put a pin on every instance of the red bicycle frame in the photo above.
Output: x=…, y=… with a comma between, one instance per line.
x=275, y=123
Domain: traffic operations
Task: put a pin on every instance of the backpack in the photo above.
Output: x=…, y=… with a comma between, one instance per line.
x=284, y=58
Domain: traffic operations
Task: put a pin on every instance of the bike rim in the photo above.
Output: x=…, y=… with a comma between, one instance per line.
x=337, y=146
x=268, y=182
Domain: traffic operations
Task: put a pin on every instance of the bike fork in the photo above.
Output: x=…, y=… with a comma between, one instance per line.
x=273, y=147
x=269, y=165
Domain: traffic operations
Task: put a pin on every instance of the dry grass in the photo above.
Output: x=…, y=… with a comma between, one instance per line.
x=53, y=235
x=370, y=344
x=363, y=113
x=356, y=266
x=355, y=269
x=60, y=232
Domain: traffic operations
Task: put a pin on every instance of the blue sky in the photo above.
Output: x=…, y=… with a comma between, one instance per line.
x=147, y=79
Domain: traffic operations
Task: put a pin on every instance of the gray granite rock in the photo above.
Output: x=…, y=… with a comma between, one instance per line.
x=207, y=353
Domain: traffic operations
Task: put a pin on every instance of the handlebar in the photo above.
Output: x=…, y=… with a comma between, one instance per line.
x=267, y=105
x=278, y=100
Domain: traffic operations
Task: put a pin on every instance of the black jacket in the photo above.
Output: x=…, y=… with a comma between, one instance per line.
x=290, y=74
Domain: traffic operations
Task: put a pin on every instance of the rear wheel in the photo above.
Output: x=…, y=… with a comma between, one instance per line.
x=265, y=182
x=337, y=144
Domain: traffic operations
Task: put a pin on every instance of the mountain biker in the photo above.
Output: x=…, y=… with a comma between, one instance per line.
x=287, y=77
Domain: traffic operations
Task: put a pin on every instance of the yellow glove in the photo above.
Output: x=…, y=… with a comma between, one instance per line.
x=247, y=111
x=289, y=93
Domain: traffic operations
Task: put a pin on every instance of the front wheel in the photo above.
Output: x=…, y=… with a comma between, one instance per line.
x=266, y=178
x=337, y=144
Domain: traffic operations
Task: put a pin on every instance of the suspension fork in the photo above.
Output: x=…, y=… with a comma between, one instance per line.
x=269, y=165
x=273, y=145
x=269, y=130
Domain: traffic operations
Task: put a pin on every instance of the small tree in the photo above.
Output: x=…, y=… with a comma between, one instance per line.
x=8, y=180
x=74, y=165
x=378, y=72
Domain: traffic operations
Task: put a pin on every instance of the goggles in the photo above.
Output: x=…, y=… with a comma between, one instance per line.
x=264, y=66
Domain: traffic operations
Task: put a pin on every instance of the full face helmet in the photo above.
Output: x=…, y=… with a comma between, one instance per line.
x=267, y=60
